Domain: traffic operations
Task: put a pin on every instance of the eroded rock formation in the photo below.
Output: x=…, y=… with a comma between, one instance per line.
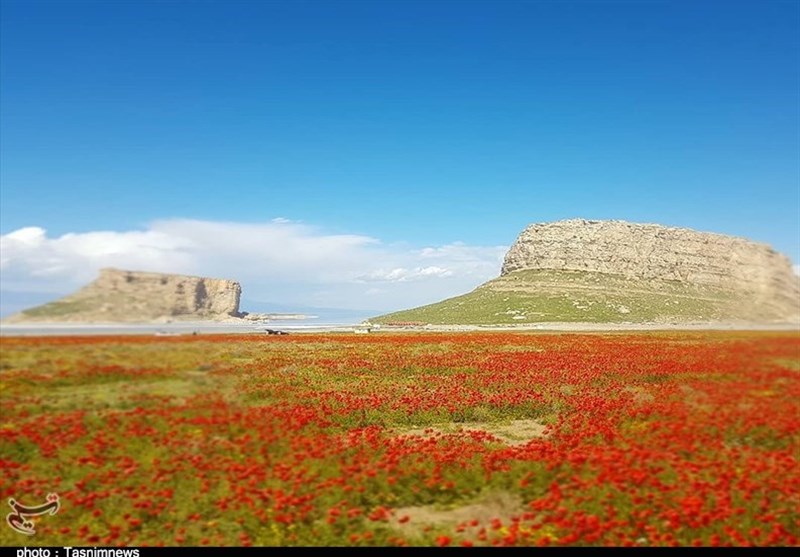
x=133, y=296
x=758, y=273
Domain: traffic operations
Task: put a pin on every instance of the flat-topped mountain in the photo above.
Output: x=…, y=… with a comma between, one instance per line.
x=133, y=296
x=605, y=271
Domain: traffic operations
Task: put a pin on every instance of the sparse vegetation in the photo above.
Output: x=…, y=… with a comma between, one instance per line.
x=56, y=309
x=535, y=296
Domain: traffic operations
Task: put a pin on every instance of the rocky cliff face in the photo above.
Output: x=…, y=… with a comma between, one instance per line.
x=132, y=296
x=658, y=253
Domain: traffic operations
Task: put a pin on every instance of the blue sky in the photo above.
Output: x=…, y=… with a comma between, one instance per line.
x=389, y=127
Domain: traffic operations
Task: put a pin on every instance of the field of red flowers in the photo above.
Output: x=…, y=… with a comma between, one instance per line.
x=646, y=439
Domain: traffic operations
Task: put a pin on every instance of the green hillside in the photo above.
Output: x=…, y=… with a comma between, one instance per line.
x=532, y=296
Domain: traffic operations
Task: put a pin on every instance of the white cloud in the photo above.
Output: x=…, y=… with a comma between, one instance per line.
x=33, y=262
x=279, y=261
x=401, y=274
x=796, y=269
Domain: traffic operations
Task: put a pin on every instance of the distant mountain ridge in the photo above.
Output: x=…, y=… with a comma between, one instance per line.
x=614, y=271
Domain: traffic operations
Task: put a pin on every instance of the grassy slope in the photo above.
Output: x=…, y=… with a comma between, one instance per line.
x=59, y=308
x=80, y=306
x=573, y=296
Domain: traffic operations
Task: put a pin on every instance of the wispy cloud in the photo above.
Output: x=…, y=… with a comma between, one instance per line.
x=400, y=274
x=278, y=260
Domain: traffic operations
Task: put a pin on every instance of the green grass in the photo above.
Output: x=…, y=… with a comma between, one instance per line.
x=572, y=296
x=95, y=307
x=793, y=365
x=58, y=309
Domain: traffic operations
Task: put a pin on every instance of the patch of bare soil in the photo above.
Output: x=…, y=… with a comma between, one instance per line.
x=514, y=433
x=640, y=394
x=501, y=506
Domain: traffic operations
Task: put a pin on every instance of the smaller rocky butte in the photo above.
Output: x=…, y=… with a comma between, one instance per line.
x=132, y=296
x=615, y=271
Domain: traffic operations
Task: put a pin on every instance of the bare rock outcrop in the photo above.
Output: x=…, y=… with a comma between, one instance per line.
x=134, y=296
x=651, y=252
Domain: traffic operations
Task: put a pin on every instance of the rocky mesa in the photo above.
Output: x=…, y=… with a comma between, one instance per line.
x=617, y=271
x=651, y=252
x=134, y=296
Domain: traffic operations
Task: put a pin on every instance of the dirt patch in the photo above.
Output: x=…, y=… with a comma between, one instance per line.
x=640, y=394
x=501, y=506
x=696, y=399
x=514, y=432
